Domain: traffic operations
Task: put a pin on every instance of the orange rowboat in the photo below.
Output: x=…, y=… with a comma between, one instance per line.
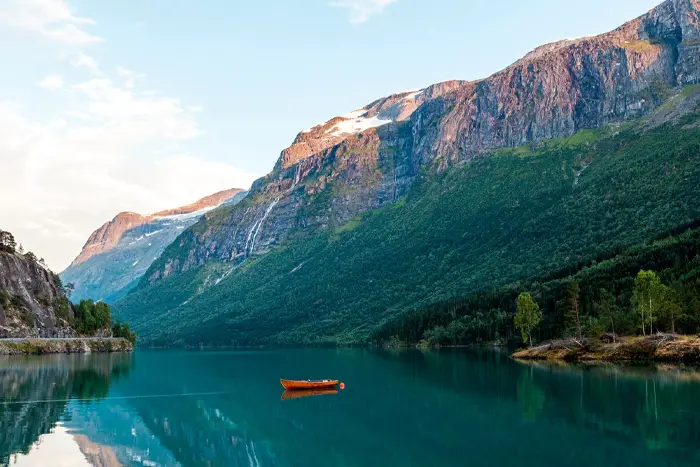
x=291, y=385
x=307, y=392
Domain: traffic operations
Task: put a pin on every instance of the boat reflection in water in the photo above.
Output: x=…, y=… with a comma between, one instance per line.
x=298, y=393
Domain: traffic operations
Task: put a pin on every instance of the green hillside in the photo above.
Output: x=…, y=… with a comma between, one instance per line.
x=511, y=216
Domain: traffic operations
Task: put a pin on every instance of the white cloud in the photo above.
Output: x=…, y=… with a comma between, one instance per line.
x=83, y=60
x=51, y=82
x=53, y=19
x=72, y=173
x=129, y=76
x=361, y=10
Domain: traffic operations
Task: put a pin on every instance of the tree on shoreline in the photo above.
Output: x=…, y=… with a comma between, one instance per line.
x=573, y=315
x=527, y=316
x=647, y=297
x=672, y=307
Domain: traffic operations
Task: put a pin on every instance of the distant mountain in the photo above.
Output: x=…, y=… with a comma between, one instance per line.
x=432, y=193
x=117, y=254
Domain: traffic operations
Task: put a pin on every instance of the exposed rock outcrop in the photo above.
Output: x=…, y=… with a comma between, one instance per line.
x=32, y=304
x=360, y=161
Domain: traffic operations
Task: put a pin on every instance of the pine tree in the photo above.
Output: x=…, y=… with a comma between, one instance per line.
x=573, y=314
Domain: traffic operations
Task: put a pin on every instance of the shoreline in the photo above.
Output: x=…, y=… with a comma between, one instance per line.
x=663, y=348
x=39, y=346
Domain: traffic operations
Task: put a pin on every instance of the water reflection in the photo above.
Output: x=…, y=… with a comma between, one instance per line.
x=307, y=393
x=654, y=405
x=36, y=390
x=530, y=396
x=405, y=408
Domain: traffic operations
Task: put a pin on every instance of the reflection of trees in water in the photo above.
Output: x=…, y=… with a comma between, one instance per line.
x=658, y=408
x=654, y=406
x=530, y=397
x=34, y=392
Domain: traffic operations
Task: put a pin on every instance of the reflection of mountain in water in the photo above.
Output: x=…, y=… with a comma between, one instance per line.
x=35, y=391
x=438, y=407
x=200, y=435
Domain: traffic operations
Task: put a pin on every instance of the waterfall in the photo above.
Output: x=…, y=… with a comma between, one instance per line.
x=257, y=229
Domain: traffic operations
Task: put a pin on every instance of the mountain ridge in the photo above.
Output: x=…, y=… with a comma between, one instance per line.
x=119, y=252
x=108, y=235
x=333, y=172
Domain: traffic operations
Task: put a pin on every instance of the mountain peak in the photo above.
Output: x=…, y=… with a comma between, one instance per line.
x=394, y=108
x=108, y=235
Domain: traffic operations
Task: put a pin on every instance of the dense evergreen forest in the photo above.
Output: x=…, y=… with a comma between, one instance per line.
x=596, y=207
x=604, y=296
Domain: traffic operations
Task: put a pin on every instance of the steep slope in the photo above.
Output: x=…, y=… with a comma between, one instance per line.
x=369, y=158
x=520, y=214
x=117, y=254
x=32, y=301
x=468, y=218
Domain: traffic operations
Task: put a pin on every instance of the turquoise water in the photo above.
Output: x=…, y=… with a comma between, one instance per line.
x=403, y=408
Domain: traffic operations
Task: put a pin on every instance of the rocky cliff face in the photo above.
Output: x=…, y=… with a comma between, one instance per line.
x=117, y=254
x=32, y=304
x=338, y=170
x=392, y=109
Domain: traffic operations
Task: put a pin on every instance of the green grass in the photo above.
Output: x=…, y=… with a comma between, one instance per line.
x=689, y=90
x=640, y=46
x=351, y=225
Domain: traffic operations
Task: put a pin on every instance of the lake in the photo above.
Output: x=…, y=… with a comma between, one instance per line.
x=453, y=407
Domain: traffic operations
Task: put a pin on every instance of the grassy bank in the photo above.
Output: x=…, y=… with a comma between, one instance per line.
x=53, y=346
x=657, y=348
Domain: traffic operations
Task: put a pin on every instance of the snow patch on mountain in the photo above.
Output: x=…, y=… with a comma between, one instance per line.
x=413, y=95
x=356, y=122
x=188, y=216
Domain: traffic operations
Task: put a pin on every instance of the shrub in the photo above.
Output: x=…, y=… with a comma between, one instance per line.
x=91, y=316
x=28, y=318
x=62, y=308
x=4, y=299
x=123, y=330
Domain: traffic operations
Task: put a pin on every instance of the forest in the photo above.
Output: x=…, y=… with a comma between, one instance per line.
x=654, y=286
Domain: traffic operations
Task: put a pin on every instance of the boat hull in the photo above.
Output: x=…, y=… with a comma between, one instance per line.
x=292, y=385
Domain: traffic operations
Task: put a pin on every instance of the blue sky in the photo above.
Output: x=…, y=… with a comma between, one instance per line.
x=112, y=105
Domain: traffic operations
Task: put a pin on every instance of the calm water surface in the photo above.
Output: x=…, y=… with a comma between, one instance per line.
x=408, y=408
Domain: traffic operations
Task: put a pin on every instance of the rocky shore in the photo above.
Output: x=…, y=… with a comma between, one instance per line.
x=53, y=346
x=666, y=348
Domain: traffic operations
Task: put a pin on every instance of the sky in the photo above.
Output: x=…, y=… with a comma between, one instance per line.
x=142, y=105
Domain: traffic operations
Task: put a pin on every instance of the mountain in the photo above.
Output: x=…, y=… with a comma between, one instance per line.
x=117, y=254
x=32, y=301
x=433, y=193
x=369, y=158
